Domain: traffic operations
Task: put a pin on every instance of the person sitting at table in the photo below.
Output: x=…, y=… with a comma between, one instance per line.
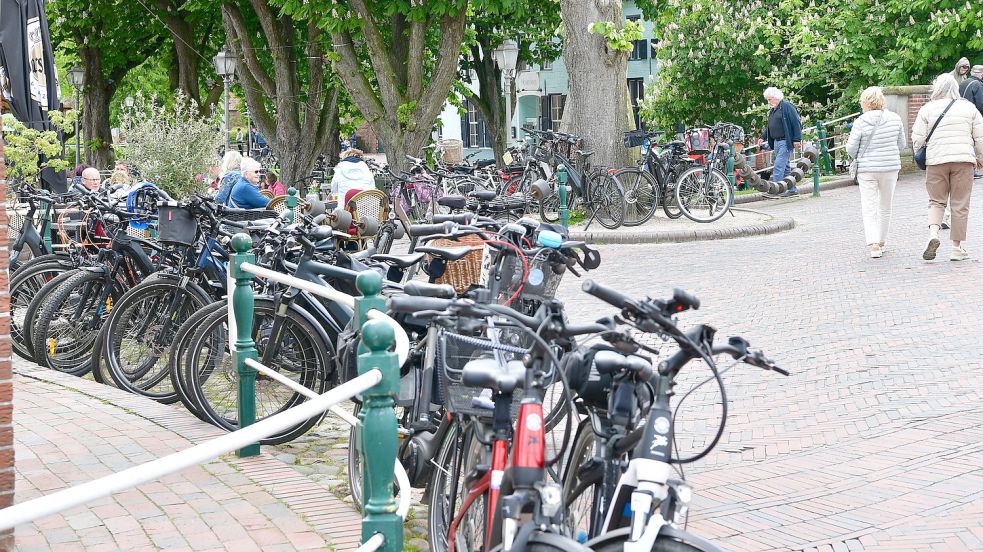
x=274, y=185
x=245, y=193
x=351, y=174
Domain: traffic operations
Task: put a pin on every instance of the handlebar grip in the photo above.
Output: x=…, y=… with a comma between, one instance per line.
x=459, y=218
x=572, y=330
x=422, y=289
x=410, y=304
x=418, y=230
x=681, y=297
x=608, y=295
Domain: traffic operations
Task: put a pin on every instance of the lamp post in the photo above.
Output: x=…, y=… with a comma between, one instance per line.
x=225, y=66
x=506, y=56
x=76, y=78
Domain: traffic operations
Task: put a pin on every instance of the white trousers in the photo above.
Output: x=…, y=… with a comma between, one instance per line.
x=876, y=197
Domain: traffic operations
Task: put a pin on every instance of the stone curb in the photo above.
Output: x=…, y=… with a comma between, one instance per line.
x=803, y=190
x=629, y=236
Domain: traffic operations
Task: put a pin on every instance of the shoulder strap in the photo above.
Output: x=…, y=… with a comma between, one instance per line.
x=939, y=120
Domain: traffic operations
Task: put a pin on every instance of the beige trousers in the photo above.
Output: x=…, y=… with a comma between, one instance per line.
x=950, y=183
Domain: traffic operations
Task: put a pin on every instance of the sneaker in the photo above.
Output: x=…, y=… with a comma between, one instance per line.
x=958, y=254
x=930, y=249
x=875, y=251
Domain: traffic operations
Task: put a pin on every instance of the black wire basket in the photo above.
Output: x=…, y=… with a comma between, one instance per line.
x=454, y=351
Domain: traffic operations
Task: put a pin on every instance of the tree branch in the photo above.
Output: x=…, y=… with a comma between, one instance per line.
x=358, y=85
x=452, y=33
x=414, y=60
x=385, y=73
x=240, y=44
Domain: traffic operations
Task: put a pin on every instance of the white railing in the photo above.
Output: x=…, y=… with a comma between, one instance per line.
x=150, y=471
x=402, y=340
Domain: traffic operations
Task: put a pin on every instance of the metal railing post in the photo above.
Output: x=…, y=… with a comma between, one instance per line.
x=730, y=170
x=562, y=192
x=291, y=202
x=243, y=304
x=379, y=436
x=823, y=150
x=815, y=178
x=46, y=225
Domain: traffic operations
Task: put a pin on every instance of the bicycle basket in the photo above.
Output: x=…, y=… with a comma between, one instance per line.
x=176, y=224
x=540, y=283
x=728, y=132
x=698, y=141
x=635, y=138
x=454, y=351
x=464, y=272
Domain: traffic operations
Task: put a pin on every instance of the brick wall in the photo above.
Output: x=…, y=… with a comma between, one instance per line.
x=6, y=385
x=906, y=101
x=915, y=102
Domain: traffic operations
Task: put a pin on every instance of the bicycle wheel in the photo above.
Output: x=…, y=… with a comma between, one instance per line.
x=582, y=485
x=641, y=195
x=458, y=456
x=27, y=285
x=301, y=355
x=68, y=324
x=355, y=459
x=180, y=357
x=669, y=540
x=702, y=196
x=670, y=206
x=142, y=327
x=549, y=542
x=549, y=208
x=605, y=201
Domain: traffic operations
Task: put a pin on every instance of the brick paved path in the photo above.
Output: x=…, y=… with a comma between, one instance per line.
x=69, y=431
x=876, y=440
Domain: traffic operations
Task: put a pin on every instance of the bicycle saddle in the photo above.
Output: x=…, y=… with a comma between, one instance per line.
x=453, y=201
x=484, y=195
x=586, y=154
x=423, y=289
x=399, y=261
x=488, y=373
x=445, y=253
x=484, y=163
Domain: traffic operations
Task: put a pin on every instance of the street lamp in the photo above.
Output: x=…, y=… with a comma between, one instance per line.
x=76, y=78
x=225, y=66
x=506, y=56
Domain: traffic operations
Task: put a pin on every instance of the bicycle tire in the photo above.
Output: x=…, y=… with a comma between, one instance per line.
x=580, y=493
x=703, y=201
x=454, y=460
x=669, y=540
x=670, y=206
x=549, y=542
x=136, y=364
x=641, y=194
x=213, y=389
x=180, y=353
x=549, y=208
x=30, y=284
x=606, y=201
x=354, y=468
x=61, y=340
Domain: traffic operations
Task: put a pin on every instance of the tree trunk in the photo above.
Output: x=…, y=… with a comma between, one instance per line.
x=490, y=100
x=96, y=95
x=596, y=108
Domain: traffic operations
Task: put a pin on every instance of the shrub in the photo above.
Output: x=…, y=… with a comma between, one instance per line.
x=27, y=151
x=170, y=144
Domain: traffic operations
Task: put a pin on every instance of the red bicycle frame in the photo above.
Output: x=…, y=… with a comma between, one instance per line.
x=528, y=451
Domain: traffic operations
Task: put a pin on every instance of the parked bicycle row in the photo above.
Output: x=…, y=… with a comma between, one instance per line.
x=524, y=430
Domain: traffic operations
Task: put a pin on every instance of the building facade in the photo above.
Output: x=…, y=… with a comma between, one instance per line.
x=541, y=93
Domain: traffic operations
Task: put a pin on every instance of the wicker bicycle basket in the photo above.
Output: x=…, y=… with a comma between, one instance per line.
x=464, y=272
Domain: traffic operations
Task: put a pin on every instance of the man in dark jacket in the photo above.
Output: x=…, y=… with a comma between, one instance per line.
x=972, y=90
x=783, y=133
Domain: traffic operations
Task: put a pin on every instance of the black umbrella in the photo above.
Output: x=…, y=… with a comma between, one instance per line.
x=27, y=64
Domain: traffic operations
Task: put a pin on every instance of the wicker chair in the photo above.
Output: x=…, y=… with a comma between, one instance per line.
x=368, y=203
x=267, y=194
x=279, y=204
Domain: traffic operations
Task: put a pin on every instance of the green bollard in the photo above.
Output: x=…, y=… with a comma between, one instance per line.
x=730, y=170
x=369, y=284
x=243, y=303
x=562, y=191
x=291, y=202
x=378, y=438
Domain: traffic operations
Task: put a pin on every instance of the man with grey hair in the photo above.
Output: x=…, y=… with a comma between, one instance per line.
x=783, y=133
x=972, y=89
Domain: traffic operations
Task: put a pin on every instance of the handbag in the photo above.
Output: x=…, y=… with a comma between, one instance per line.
x=923, y=151
x=855, y=166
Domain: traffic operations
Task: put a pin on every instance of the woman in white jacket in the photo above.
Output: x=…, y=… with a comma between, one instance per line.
x=954, y=149
x=876, y=141
x=351, y=173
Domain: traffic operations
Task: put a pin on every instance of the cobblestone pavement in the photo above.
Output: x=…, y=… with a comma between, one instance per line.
x=70, y=431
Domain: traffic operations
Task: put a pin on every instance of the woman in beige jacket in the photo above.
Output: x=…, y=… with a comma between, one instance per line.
x=954, y=149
